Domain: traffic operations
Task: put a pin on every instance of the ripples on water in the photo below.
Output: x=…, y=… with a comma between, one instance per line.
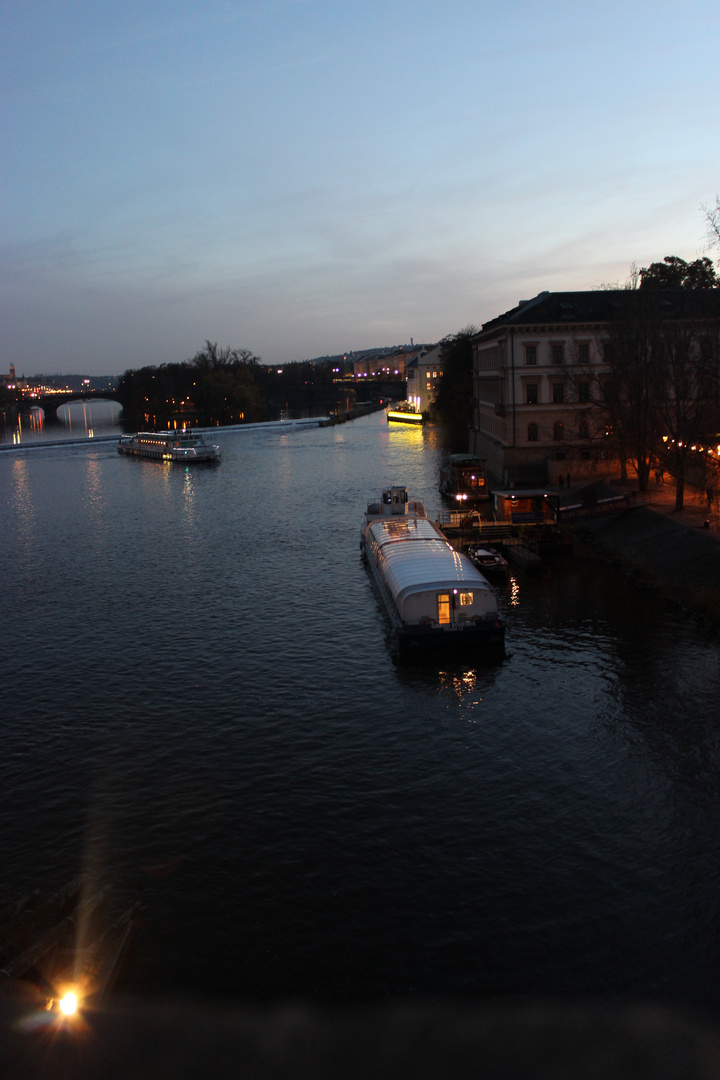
x=199, y=699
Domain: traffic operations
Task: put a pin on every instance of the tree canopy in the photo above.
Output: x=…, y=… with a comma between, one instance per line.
x=453, y=405
x=675, y=273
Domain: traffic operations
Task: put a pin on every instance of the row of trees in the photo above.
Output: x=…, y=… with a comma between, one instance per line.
x=660, y=389
x=225, y=386
x=218, y=384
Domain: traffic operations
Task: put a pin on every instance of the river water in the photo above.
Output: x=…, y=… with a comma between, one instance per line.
x=198, y=700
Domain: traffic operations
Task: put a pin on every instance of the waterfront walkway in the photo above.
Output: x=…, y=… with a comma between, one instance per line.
x=672, y=550
x=661, y=498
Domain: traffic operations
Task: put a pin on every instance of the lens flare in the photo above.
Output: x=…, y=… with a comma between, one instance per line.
x=68, y=1004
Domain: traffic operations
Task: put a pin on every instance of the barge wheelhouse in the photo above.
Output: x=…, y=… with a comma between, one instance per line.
x=462, y=478
x=432, y=593
x=183, y=446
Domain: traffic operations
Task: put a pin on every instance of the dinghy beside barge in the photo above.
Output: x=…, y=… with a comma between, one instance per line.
x=433, y=594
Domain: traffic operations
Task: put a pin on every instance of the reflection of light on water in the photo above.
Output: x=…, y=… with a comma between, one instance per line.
x=88, y=415
x=514, y=599
x=35, y=421
x=462, y=683
x=20, y=498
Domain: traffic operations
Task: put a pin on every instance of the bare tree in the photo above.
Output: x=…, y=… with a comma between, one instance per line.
x=684, y=392
x=712, y=222
x=633, y=387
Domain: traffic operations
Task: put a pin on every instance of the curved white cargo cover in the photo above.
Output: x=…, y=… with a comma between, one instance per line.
x=430, y=565
x=433, y=595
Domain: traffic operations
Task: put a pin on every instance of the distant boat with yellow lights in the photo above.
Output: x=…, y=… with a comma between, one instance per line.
x=404, y=413
x=432, y=593
x=184, y=446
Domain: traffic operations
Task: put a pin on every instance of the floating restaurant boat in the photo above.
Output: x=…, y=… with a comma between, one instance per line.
x=184, y=446
x=462, y=478
x=433, y=594
x=405, y=413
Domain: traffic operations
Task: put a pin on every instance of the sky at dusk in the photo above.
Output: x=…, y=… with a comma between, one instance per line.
x=306, y=177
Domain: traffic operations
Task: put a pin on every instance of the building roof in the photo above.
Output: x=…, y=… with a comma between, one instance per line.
x=601, y=305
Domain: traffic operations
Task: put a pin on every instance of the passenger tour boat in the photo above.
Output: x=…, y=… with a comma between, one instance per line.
x=184, y=446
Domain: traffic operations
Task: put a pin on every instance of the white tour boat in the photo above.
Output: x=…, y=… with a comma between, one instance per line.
x=184, y=446
x=433, y=594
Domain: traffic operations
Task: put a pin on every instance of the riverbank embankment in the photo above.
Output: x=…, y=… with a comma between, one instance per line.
x=676, y=553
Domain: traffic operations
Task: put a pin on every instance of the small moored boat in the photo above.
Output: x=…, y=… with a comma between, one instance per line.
x=184, y=446
x=489, y=562
x=432, y=593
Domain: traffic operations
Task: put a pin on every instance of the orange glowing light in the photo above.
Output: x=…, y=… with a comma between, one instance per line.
x=68, y=1004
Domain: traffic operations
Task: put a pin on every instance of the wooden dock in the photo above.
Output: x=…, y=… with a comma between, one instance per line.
x=519, y=553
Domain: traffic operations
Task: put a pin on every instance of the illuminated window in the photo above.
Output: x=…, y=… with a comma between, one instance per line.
x=443, y=602
x=465, y=599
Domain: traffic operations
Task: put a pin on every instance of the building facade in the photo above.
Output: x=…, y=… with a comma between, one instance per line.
x=424, y=372
x=536, y=373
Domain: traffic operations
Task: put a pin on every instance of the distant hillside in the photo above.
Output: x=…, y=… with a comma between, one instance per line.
x=358, y=354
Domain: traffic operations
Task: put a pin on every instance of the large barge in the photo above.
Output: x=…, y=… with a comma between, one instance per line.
x=433, y=594
x=183, y=446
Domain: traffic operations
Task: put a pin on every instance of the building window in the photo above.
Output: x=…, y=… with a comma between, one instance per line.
x=532, y=433
x=531, y=393
x=558, y=393
x=558, y=432
x=584, y=391
x=531, y=354
x=558, y=354
x=584, y=430
x=608, y=352
x=583, y=352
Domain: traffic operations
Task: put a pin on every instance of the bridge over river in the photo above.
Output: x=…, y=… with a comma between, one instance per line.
x=50, y=403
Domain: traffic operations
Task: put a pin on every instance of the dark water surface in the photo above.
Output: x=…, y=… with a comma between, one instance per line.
x=199, y=700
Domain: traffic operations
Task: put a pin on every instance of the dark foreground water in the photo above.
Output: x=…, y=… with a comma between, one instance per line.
x=198, y=700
